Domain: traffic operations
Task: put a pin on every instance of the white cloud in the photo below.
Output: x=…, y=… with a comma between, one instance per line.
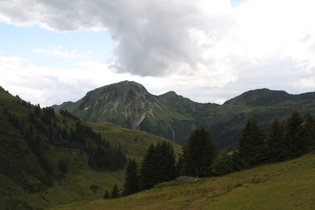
x=61, y=53
x=194, y=47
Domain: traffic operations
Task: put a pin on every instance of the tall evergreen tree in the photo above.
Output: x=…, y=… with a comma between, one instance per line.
x=131, y=178
x=200, y=153
x=309, y=130
x=295, y=137
x=182, y=165
x=275, y=144
x=158, y=165
x=148, y=169
x=251, y=146
x=165, y=162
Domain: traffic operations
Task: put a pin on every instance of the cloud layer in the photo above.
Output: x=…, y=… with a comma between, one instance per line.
x=205, y=44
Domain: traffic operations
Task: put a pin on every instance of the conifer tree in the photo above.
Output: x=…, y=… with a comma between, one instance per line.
x=148, y=169
x=115, y=192
x=182, y=166
x=275, y=144
x=106, y=195
x=251, y=148
x=158, y=165
x=131, y=178
x=309, y=129
x=165, y=162
x=295, y=137
x=200, y=153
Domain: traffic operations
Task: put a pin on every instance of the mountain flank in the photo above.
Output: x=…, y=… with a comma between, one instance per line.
x=172, y=116
x=48, y=159
x=130, y=105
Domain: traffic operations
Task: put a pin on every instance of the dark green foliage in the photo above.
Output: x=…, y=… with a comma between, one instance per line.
x=63, y=166
x=115, y=192
x=27, y=134
x=223, y=164
x=132, y=178
x=200, y=153
x=37, y=110
x=182, y=167
x=148, y=169
x=251, y=145
x=275, y=143
x=103, y=158
x=94, y=188
x=106, y=195
x=282, y=143
x=158, y=165
x=295, y=137
x=35, y=145
x=309, y=128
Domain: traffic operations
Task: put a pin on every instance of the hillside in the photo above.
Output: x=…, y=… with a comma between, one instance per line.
x=171, y=116
x=285, y=185
x=130, y=105
x=49, y=159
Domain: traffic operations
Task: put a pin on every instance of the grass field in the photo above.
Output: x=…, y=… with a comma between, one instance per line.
x=286, y=185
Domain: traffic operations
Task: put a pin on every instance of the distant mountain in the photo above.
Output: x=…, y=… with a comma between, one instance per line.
x=260, y=97
x=266, y=97
x=172, y=116
x=130, y=105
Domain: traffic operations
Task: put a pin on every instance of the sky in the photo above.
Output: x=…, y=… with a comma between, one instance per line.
x=52, y=51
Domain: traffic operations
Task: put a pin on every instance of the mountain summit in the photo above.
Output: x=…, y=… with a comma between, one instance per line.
x=130, y=105
x=172, y=116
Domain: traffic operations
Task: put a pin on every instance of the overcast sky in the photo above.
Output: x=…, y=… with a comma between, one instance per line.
x=53, y=51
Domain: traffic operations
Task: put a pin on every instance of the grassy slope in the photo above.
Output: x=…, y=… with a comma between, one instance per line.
x=75, y=186
x=286, y=185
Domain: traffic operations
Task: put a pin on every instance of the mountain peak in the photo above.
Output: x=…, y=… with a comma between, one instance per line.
x=259, y=97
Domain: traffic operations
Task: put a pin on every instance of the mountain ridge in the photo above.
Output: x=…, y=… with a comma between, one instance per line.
x=173, y=116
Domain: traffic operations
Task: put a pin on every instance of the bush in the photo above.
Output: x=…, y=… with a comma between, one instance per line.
x=223, y=164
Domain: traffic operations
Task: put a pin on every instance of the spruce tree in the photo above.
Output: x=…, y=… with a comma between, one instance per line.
x=115, y=192
x=295, y=137
x=106, y=195
x=165, y=162
x=182, y=165
x=308, y=128
x=251, y=148
x=131, y=178
x=200, y=153
x=275, y=144
x=158, y=165
x=148, y=169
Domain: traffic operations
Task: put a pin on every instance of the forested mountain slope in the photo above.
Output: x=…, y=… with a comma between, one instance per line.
x=48, y=159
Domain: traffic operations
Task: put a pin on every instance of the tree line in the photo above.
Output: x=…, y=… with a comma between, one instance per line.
x=42, y=126
x=285, y=140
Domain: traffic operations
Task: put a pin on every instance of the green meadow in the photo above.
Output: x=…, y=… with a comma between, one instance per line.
x=285, y=185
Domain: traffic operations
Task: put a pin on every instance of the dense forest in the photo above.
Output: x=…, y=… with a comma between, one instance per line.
x=41, y=128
